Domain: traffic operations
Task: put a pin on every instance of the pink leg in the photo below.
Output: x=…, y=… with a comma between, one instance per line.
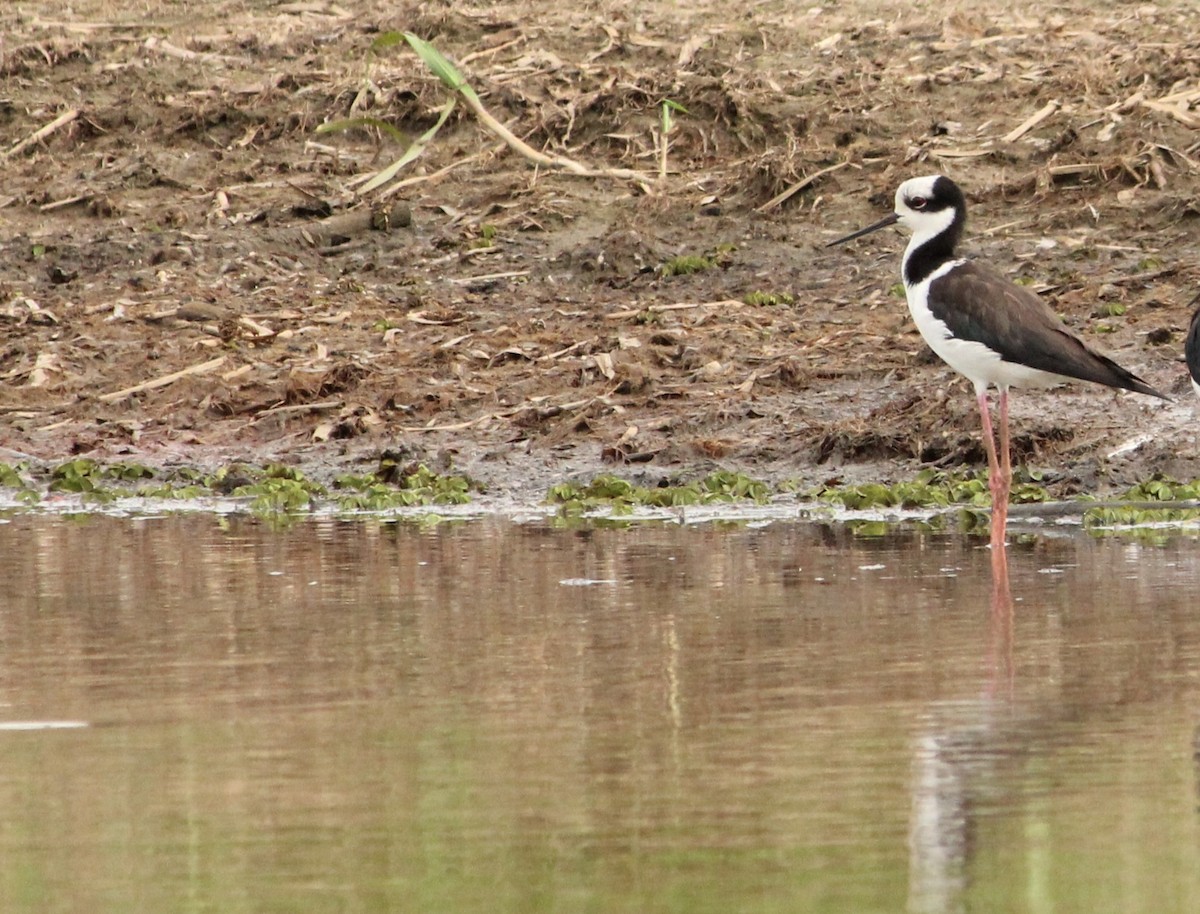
x=1002, y=601
x=1005, y=448
x=996, y=475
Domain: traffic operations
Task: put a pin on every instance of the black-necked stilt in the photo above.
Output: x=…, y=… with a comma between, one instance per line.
x=1191, y=349
x=982, y=325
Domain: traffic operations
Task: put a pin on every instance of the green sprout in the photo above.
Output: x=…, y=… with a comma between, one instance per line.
x=666, y=121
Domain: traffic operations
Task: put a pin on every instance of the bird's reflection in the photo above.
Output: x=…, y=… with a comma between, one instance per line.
x=953, y=751
x=1001, y=625
x=940, y=826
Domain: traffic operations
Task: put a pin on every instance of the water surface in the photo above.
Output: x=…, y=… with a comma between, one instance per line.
x=488, y=716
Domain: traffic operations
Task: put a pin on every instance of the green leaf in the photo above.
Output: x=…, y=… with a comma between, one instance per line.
x=10, y=477
x=415, y=149
x=386, y=40
x=442, y=68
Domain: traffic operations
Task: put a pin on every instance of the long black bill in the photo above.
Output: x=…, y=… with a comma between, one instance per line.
x=890, y=219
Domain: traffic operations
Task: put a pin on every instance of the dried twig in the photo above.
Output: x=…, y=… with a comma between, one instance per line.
x=799, y=186
x=678, y=306
x=1033, y=120
x=948, y=153
x=164, y=380
x=67, y=201
x=453, y=427
x=1174, y=105
x=321, y=406
x=38, y=135
x=558, y=354
x=495, y=49
x=1078, y=168
x=564, y=163
x=154, y=43
x=487, y=277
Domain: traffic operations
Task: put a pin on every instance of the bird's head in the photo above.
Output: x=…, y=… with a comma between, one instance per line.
x=926, y=206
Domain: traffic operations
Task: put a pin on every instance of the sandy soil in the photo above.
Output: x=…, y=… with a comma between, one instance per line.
x=169, y=292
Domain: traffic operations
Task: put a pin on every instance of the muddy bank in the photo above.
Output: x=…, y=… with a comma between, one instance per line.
x=187, y=274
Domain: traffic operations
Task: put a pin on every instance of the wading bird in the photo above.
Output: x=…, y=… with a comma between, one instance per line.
x=982, y=325
x=1191, y=349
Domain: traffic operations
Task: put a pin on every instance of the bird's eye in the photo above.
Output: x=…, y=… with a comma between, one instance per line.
x=918, y=202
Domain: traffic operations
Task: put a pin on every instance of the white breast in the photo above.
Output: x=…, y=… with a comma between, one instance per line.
x=982, y=366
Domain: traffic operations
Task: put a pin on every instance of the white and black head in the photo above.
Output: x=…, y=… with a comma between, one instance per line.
x=929, y=207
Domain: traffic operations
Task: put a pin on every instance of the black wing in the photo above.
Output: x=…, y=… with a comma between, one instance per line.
x=977, y=303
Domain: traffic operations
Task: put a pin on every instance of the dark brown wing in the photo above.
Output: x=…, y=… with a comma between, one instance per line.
x=977, y=303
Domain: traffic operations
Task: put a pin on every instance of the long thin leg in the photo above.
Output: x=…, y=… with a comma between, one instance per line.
x=996, y=484
x=1006, y=473
x=1005, y=444
x=1002, y=601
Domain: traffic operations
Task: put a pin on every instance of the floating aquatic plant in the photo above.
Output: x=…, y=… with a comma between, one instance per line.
x=931, y=489
x=272, y=489
x=607, y=492
x=396, y=486
x=1157, y=500
x=12, y=477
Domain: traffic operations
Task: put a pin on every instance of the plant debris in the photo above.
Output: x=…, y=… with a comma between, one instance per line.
x=599, y=243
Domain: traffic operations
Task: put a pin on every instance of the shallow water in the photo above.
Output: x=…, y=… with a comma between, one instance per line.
x=203, y=714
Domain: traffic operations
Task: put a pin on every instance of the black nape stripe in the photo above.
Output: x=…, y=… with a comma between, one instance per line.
x=931, y=255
